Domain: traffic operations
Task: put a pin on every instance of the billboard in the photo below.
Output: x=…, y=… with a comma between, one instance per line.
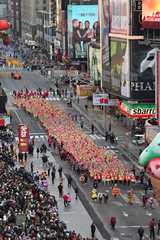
x=82, y=23
x=86, y=90
x=94, y=64
x=23, y=138
x=137, y=18
x=119, y=83
x=151, y=14
x=143, y=71
x=103, y=18
x=118, y=16
x=57, y=45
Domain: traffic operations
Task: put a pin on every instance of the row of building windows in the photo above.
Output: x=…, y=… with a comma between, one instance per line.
x=152, y=34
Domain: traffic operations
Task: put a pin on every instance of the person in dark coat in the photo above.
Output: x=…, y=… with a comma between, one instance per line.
x=31, y=167
x=106, y=136
x=93, y=229
x=95, y=185
x=60, y=188
x=53, y=176
x=76, y=192
x=140, y=232
x=25, y=156
x=69, y=181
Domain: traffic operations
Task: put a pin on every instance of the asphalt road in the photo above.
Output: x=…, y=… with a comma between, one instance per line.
x=129, y=217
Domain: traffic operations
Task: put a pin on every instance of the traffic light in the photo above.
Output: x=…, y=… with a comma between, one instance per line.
x=59, y=56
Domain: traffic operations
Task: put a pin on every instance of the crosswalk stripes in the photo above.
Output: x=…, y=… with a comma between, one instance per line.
x=37, y=137
x=118, y=204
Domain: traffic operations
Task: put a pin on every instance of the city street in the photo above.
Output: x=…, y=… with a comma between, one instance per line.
x=129, y=217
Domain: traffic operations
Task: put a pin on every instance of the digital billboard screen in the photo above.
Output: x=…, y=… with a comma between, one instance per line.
x=82, y=24
x=151, y=14
x=119, y=82
x=118, y=16
x=94, y=63
x=103, y=18
x=143, y=71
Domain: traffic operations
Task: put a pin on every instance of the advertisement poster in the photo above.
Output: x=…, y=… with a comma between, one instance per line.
x=23, y=138
x=143, y=71
x=151, y=14
x=118, y=16
x=94, y=64
x=119, y=81
x=63, y=34
x=103, y=17
x=137, y=18
x=82, y=24
x=57, y=45
x=86, y=90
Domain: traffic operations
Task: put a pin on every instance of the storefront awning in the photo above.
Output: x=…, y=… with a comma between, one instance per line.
x=137, y=111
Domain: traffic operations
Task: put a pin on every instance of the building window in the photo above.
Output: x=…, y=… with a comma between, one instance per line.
x=157, y=33
x=44, y=8
x=44, y=1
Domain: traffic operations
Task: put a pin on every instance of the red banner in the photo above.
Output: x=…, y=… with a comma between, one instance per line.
x=115, y=191
x=23, y=138
x=1, y=122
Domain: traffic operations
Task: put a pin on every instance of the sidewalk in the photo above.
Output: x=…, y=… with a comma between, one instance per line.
x=75, y=216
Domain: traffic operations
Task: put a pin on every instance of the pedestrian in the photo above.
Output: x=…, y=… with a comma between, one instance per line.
x=152, y=224
x=31, y=167
x=65, y=198
x=76, y=116
x=141, y=179
x=60, y=188
x=25, y=156
x=144, y=200
x=113, y=222
x=86, y=107
x=76, y=192
x=100, y=196
x=94, y=195
x=140, y=232
x=60, y=172
x=92, y=129
x=106, y=136
x=37, y=152
x=93, y=229
x=145, y=188
x=49, y=142
x=81, y=124
x=116, y=140
x=53, y=176
x=48, y=168
x=149, y=184
x=95, y=185
x=54, y=143
x=105, y=195
x=158, y=227
x=69, y=181
x=151, y=201
x=69, y=198
x=85, y=178
x=32, y=141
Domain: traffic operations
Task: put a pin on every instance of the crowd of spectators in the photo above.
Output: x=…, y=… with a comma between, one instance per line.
x=21, y=195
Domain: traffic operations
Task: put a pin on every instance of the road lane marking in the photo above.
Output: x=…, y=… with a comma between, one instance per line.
x=18, y=116
x=68, y=212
